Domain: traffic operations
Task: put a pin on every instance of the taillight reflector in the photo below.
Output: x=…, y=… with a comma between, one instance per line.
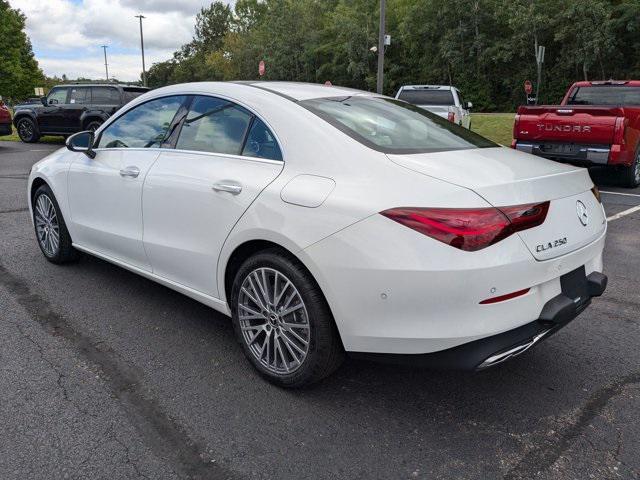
x=502, y=298
x=470, y=229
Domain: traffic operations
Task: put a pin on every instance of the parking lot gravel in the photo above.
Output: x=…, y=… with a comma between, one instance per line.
x=104, y=374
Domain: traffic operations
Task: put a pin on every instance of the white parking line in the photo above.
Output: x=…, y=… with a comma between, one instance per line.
x=620, y=193
x=623, y=213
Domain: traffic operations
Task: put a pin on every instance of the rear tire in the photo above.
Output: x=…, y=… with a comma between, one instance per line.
x=630, y=176
x=283, y=321
x=93, y=125
x=27, y=130
x=51, y=230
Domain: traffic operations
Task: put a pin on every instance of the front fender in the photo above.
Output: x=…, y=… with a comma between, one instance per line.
x=24, y=112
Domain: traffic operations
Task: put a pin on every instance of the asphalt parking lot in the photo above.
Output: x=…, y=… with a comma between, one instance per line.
x=104, y=374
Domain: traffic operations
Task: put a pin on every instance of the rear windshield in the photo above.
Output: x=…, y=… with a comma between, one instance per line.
x=393, y=126
x=605, y=95
x=427, y=97
x=131, y=93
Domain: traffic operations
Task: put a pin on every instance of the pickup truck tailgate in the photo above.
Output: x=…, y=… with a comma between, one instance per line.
x=569, y=124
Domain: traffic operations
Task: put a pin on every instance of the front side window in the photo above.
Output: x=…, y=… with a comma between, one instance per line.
x=145, y=126
x=105, y=96
x=393, y=126
x=79, y=96
x=214, y=125
x=57, y=96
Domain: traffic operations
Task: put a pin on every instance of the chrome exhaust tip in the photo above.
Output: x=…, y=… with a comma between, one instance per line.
x=512, y=352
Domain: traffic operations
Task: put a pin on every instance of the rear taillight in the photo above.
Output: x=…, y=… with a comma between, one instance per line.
x=470, y=229
x=619, y=130
x=516, y=121
x=451, y=117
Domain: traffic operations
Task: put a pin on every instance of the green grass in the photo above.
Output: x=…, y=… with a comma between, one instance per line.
x=495, y=126
x=46, y=139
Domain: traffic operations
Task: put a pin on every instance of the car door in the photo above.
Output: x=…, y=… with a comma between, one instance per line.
x=105, y=192
x=194, y=195
x=51, y=117
x=79, y=97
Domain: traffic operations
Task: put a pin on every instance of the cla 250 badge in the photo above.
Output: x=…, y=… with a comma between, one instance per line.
x=548, y=246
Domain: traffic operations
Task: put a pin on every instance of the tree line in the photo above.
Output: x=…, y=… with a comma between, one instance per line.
x=484, y=47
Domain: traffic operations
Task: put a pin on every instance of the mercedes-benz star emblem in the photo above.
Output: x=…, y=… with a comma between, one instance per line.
x=583, y=216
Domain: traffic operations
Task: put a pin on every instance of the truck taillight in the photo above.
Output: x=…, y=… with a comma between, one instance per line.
x=470, y=229
x=619, y=131
x=451, y=117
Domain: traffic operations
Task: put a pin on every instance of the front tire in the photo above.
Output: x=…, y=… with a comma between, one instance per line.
x=27, y=130
x=283, y=321
x=630, y=176
x=51, y=231
x=93, y=126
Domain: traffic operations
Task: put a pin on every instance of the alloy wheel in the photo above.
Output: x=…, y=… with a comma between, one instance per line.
x=25, y=129
x=274, y=321
x=47, y=226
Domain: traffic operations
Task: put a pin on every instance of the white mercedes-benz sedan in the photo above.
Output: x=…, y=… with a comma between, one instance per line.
x=327, y=220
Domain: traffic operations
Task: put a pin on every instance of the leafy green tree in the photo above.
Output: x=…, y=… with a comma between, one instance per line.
x=19, y=71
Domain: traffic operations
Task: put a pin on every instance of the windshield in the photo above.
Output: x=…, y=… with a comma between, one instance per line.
x=427, y=97
x=393, y=126
x=605, y=95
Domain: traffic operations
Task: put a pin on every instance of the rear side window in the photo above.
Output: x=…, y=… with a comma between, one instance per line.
x=605, y=95
x=105, y=96
x=145, y=126
x=214, y=125
x=427, y=97
x=79, y=96
x=392, y=126
x=131, y=93
x=261, y=143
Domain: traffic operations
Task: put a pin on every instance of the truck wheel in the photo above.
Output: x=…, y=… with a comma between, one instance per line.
x=630, y=176
x=94, y=125
x=27, y=130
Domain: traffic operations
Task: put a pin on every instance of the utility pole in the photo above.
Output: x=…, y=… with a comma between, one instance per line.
x=539, y=62
x=144, y=72
x=381, y=45
x=106, y=67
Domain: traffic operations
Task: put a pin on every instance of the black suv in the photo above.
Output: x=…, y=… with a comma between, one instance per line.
x=72, y=108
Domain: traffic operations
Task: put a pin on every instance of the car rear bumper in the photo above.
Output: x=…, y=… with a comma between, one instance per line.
x=5, y=129
x=578, y=154
x=490, y=351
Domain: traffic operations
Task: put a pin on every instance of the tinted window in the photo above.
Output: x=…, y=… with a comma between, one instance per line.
x=105, y=96
x=79, y=95
x=261, y=143
x=427, y=97
x=392, y=126
x=143, y=127
x=57, y=95
x=214, y=125
x=605, y=95
x=131, y=93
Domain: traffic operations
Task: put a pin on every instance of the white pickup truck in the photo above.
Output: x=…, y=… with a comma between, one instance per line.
x=443, y=100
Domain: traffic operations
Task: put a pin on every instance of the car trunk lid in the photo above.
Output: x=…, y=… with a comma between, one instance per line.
x=505, y=177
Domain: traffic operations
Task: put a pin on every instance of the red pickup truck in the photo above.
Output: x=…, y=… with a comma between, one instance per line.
x=597, y=123
x=5, y=119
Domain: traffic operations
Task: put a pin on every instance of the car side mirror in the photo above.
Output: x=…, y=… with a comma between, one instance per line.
x=82, y=142
x=43, y=100
x=469, y=105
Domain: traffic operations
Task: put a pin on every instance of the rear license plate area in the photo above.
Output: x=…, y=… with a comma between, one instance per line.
x=574, y=285
x=561, y=149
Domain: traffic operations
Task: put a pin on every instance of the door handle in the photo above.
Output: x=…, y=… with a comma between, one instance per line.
x=130, y=172
x=231, y=187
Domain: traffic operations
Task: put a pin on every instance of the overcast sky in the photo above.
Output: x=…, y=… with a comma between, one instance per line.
x=67, y=34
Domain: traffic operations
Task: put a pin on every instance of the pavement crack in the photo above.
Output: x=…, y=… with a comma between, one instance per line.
x=14, y=210
x=545, y=455
x=161, y=433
